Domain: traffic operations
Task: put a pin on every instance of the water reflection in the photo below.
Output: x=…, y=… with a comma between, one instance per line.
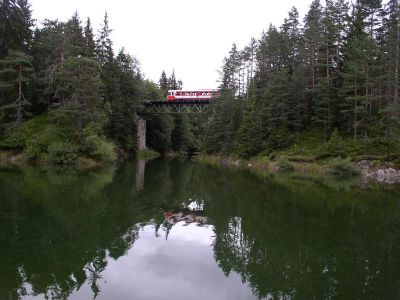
x=193, y=230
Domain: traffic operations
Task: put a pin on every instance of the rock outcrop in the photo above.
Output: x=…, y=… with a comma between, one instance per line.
x=385, y=175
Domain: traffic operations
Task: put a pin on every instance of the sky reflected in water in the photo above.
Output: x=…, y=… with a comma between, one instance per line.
x=183, y=230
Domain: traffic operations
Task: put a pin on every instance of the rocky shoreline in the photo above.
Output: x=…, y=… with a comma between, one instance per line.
x=384, y=175
x=368, y=170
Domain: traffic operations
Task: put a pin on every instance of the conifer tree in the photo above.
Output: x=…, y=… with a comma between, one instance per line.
x=74, y=39
x=16, y=71
x=15, y=26
x=163, y=83
x=181, y=136
x=108, y=74
x=90, y=45
x=78, y=93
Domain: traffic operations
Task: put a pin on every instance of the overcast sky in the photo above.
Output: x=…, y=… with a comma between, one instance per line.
x=189, y=36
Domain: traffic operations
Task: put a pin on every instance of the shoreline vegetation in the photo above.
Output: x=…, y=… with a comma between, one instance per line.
x=338, y=168
x=314, y=95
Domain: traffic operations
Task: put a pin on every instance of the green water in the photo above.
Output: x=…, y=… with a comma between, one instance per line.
x=111, y=234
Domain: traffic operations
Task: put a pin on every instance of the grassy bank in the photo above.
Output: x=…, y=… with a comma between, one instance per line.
x=147, y=154
x=312, y=155
x=40, y=140
x=336, y=167
x=262, y=163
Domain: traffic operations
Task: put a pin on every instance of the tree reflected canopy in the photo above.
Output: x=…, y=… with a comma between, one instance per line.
x=285, y=237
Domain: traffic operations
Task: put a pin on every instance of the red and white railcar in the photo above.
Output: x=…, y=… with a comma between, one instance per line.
x=200, y=95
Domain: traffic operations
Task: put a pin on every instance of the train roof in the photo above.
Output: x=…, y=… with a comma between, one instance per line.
x=194, y=90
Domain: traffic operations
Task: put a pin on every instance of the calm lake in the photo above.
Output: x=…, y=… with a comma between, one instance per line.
x=184, y=230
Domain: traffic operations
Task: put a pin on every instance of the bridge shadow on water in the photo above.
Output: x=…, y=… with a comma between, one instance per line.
x=284, y=237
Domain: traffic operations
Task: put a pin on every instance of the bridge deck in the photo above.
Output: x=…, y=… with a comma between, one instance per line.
x=179, y=102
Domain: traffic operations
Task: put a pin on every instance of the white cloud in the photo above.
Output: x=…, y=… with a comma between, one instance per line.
x=191, y=37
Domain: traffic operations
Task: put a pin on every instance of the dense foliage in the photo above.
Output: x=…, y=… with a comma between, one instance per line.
x=63, y=88
x=324, y=87
x=338, y=70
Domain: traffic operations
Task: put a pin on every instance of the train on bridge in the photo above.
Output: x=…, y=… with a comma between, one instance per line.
x=193, y=95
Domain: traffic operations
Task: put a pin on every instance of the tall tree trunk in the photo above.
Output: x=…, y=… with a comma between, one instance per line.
x=355, y=107
x=396, y=72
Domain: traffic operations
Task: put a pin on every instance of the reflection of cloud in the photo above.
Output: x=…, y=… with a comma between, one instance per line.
x=183, y=267
x=195, y=205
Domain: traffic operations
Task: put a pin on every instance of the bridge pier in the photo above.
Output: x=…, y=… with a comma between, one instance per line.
x=141, y=134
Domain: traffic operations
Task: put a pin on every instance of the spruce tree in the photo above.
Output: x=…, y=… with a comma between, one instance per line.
x=16, y=71
x=163, y=83
x=90, y=45
x=74, y=39
x=15, y=26
x=78, y=94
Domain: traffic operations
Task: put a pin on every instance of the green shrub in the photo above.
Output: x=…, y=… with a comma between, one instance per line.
x=279, y=139
x=334, y=147
x=63, y=153
x=147, y=154
x=342, y=168
x=104, y=151
x=33, y=149
x=98, y=147
x=33, y=137
x=284, y=165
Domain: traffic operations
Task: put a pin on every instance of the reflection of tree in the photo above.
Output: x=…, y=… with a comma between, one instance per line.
x=306, y=242
x=59, y=227
x=284, y=237
x=94, y=269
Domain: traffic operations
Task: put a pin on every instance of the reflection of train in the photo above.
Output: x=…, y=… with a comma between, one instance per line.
x=188, y=218
x=201, y=95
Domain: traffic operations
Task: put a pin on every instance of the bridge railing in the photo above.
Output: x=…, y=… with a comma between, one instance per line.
x=175, y=107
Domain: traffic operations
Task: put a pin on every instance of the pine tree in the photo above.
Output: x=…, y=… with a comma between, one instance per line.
x=313, y=42
x=78, y=93
x=126, y=107
x=15, y=26
x=173, y=83
x=90, y=45
x=105, y=53
x=391, y=63
x=16, y=71
x=159, y=132
x=109, y=69
x=163, y=83
x=74, y=39
x=358, y=83
x=269, y=59
x=181, y=136
x=250, y=135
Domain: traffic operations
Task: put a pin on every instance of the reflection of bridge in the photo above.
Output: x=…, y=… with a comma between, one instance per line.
x=166, y=107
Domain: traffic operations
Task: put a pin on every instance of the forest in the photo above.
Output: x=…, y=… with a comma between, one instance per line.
x=66, y=93
x=327, y=86
x=321, y=87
